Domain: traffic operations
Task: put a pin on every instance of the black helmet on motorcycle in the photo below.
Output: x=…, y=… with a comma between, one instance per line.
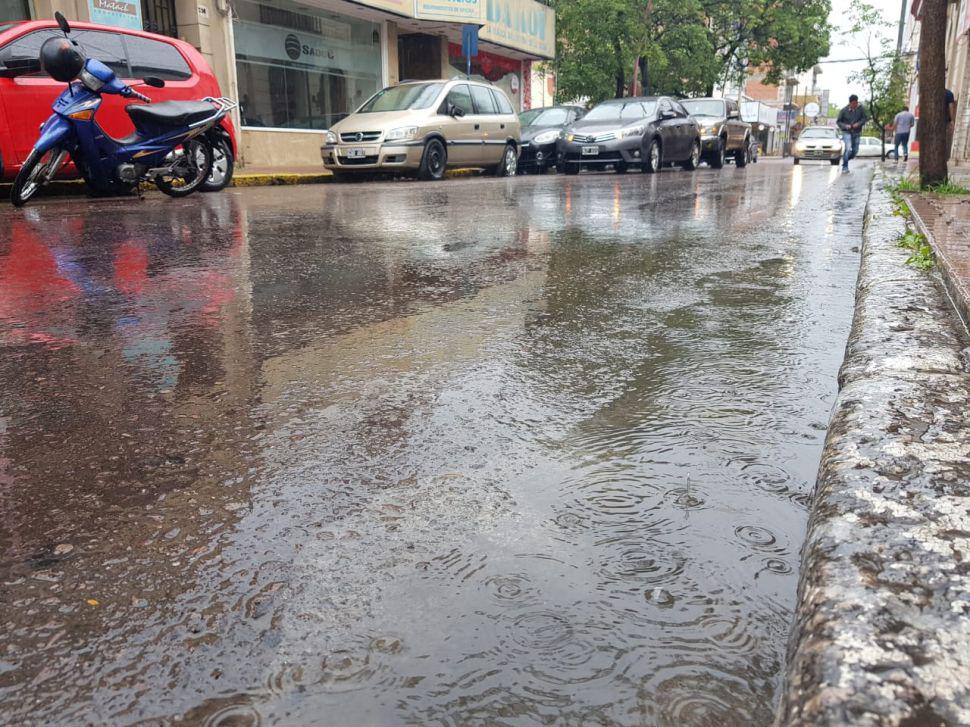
x=61, y=59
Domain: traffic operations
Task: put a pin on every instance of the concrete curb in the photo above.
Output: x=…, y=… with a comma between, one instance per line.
x=242, y=179
x=882, y=626
x=955, y=285
x=74, y=187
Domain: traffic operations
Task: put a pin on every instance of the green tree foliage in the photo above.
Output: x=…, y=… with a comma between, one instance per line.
x=885, y=76
x=688, y=45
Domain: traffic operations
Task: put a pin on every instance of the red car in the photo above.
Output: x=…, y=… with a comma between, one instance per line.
x=25, y=100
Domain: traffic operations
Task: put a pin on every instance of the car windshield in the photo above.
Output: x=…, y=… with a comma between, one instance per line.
x=711, y=107
x=545, y=117
x=402, y=98
x=630, y=111
x=819, y=134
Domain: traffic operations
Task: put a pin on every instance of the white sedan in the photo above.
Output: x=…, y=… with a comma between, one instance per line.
x=870, y=146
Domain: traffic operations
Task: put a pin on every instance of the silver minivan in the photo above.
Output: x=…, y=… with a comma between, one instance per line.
x=424, y=128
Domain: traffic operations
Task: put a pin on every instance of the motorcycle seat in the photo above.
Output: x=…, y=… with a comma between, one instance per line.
x=171, y=113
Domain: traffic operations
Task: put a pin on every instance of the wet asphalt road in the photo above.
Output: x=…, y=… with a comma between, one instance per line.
x=503, y=452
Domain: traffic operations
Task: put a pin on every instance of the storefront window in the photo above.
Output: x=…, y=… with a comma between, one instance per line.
x=14, y=10
x=506, y=73
x=302, y=68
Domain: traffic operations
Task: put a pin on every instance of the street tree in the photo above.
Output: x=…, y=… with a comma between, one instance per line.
x=933, y=119
x=779, y=36
x=884, y=76
x=595, y=47
x=682, y=46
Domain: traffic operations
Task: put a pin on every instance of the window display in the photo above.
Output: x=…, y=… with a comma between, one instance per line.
x=506, y=73
x=302, y=68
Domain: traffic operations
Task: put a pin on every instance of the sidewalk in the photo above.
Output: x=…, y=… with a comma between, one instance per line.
x=945, y=220
x=882, y=634
x=256, y=176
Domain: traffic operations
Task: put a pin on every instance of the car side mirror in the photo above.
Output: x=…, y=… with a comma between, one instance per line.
x=19, y=67
x=62, y=23
x=455, y=112
x=153, y=81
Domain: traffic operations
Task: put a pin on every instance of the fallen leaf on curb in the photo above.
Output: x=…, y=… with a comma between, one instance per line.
x=92, y=602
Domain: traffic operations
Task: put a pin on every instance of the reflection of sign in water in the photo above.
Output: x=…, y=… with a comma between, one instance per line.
x=119, y=13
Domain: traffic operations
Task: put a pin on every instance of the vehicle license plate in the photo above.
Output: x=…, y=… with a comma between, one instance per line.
x=356, y=153
x=591, y=151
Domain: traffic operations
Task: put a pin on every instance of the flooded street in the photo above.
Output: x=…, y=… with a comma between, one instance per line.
x=482, y=452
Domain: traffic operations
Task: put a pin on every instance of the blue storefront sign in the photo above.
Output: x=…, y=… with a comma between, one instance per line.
x=120, y=13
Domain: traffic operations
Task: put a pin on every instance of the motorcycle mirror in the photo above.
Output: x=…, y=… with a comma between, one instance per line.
x=62, y=23
x=153, y=81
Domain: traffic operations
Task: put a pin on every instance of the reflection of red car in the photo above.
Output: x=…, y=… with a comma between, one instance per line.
x=25, y=101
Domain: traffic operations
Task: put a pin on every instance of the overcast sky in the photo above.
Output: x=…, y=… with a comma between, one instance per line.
x=835, y=75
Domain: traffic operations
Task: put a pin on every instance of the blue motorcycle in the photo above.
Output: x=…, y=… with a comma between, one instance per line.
x=172, y=145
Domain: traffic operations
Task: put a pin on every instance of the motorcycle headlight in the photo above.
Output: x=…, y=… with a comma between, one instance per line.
x=632, y=131
x=90, y=81
x=405, y=132
x=331, y=138
x=546, y=137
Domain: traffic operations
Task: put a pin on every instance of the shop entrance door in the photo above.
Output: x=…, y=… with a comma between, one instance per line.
x=419, y=57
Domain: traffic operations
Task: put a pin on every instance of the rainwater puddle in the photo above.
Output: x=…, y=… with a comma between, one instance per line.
x=270, y=457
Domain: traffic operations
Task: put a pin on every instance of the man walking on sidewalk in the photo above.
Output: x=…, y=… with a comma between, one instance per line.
x=851, y=120
x=902, y=126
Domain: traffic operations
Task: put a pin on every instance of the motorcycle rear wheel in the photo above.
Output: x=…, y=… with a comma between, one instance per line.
x=35, y=173
x=190, y=170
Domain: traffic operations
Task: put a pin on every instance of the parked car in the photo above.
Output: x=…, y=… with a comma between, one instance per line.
x=425, y=127
x=722, y=131
x=870, y=146
x=540, y=134
x=25, y=100
x=819, y=143
x=648, y=132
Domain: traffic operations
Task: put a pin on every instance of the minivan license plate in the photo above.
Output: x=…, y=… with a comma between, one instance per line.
x=356, y=153
x=591, y=151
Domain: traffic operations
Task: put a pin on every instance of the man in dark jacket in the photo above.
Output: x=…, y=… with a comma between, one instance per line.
x=851, y=120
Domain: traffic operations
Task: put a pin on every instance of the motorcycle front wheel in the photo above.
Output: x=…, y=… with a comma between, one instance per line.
x=191, y=166
x=37, y=171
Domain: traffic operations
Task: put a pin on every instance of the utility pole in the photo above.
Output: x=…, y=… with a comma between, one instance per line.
x=934, y=116
x=902, y=26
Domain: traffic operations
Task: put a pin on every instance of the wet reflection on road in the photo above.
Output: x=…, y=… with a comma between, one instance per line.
x=484, y=452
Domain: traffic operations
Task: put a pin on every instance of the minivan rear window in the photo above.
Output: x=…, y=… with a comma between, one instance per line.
x=484, y=101
x=504, y=107
x=156, y=58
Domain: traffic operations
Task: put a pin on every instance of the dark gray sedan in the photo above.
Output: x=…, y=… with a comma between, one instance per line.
x=540, y=133
x=648, y=132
